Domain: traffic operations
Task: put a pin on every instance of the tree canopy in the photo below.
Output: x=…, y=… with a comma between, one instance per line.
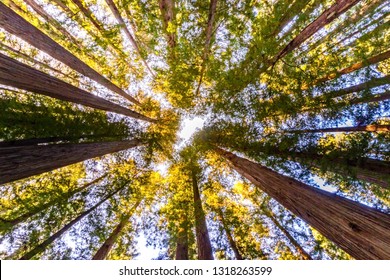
x=292, y=162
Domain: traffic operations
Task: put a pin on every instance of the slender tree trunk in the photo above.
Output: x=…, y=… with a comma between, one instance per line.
x=209, y=33
x=373, y=98
x=106, y=247
x=359, y=230
x=290, y=238
x=229, y=235
x=19, y=75
x=325, y=18
x=205, y=251
x=122, y=23
x=182, y=236
x=6, y=224
x=372, y=60
x=41, y=247
x=15, y=24
x=366, y=128
x=25, y=161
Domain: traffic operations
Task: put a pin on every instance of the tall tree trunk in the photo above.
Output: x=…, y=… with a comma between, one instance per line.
x=181, y=252
x=106, y=247
x=25, y=161
x=122, y=24
x=205, y=251
x=6, y=224
x=359, y=230
x=373, y=98
x=366, y=128
x=290, y=238
x=325, y=18
x=209, y=33
x=16, y=74
x=15, y=24
x=41, y=247
x=229, y=235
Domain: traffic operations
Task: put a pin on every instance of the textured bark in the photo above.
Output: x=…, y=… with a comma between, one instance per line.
x=209, y=34
x=19, y=75
x=106, y=247
x=62, y=199
x=122, y=23
x=25, y=161
x=167, y=8
x=229, y=235
x=205, y=251
x=89, y=15
x=372, y=60
x=361, y=231
x=366, y=128
x=15, y=24
x=325, y=18
x=41, y=247
x=290, y=238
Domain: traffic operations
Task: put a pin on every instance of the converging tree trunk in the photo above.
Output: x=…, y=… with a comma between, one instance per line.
x=205, y=251
x=168, y=13
x=41, y=247
x=365, y=128
x=25, y=161
x=16, y=74
x=359, y=230
x=15, y=24
x=106, y=247
x=229, y=235
x=325, y=18
x=181, y=252
x=7, y=224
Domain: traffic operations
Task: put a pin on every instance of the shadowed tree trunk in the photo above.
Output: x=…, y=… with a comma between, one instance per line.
x=41, y=247
x=25, y=161
x=229, y=235
x=205, y=251
x=325, y=18
x=7, y=224
x=106, y=247
x=359, y=230
x=16, y=25
x=366, y=128
x=167, y=8
x=19, y=75
x=181, y=252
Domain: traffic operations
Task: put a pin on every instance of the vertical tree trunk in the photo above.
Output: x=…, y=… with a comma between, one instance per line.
x=229, y=235
x=182, y=238
x=205, y=251
x=167, y=8
x=41, y=247
x=106, y=247
x=361, y=231
x=24, y=161
x=6, y=224
x=15, y=24
x=16, y=74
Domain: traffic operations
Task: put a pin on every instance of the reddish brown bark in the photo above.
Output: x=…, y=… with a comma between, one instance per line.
x=205, y=251
x=167, y=8
x=15, y=24
x=361, y=231
x=16, y=74
x=25, y=161
x=367, y=128
x=106, y=247
x=229, y=235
